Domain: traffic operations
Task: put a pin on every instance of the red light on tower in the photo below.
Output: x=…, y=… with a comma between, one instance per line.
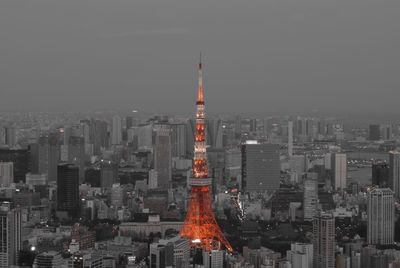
x=200, y=226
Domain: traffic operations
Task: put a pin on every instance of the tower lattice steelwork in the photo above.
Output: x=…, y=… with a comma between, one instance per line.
x=200, y=226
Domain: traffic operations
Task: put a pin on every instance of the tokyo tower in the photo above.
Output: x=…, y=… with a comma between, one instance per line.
x=200, y=226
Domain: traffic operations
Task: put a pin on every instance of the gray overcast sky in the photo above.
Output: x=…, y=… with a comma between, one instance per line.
x=259, y=55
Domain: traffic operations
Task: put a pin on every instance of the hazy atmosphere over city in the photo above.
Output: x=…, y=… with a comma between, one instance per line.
x=199, y=134
x=272, y=56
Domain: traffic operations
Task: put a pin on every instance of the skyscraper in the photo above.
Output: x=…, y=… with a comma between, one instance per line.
x=260, y=167
x=386, y=132
x=178, y=140
x=324, y=241
x=174, y=252
x=162, y=157
x=76, y=154
x=108, y=173
x=301, y=255
x=49, y=155
x=21, y=162
x=380, y=174
x=380, y=227
x=145, y=137
x=68, y=189
x=214, y=133
x=6, y=173
x=374, y=132
x=238, y=127
x=253, y=125
x=100, y=138
x=10, y=238
x=394, y=172
x=290, y=139
x=10, y=136
x=213, y=259
x=310, y=198
x=339, y=170
x=116, y=130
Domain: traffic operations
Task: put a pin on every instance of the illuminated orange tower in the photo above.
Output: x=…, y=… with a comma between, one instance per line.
x=200, y=226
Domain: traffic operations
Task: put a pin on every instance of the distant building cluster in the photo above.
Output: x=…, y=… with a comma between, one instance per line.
x=116, y=190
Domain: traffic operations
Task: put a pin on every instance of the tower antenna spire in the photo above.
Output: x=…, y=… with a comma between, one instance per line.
x=200, y=62
x=200, y=97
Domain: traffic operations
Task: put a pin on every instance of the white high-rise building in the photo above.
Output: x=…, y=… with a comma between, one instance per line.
x=297, y=259
x=117, y=195
x=213, y=259
x=290, y=139
x=153, y=180
x=380, y=226
x=174, y=252
x=310, y=198
x=324, y=241
x=145, y=137
x=6, y=173
x=339, y=170
x=10, y=238
x=301, y=255
x=394, y=172
x=116, y=130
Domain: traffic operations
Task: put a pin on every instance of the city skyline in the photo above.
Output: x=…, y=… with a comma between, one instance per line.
x=114, y=154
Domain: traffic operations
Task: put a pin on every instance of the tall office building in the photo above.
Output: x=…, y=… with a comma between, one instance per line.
x=10, y=238
x=21, y=160
x=213, y=259
x=297, y=259
x=290, y=139
x=108, y=173
x=76, y=154
x=145, y=137
x=260, y=167
x=214, y=133
x=380, y=174
x=68, y=189
x=49, y=155
x=10, y=136
x=380, y=225
x=265, y=128
x=324, y=241
x=253, y=125
x=162, y=157
x=100, y=136
x=386, y=132
x=394, y=172
x=173, y=252
x=116, y=130
x=310, y=198
x=339, y=170
x=237, y=126
x=161, y=255
x=301, y=255
x=374, y=132
x=178, y=140
x=190, y=130
x=6, y=173
x=131, y=121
